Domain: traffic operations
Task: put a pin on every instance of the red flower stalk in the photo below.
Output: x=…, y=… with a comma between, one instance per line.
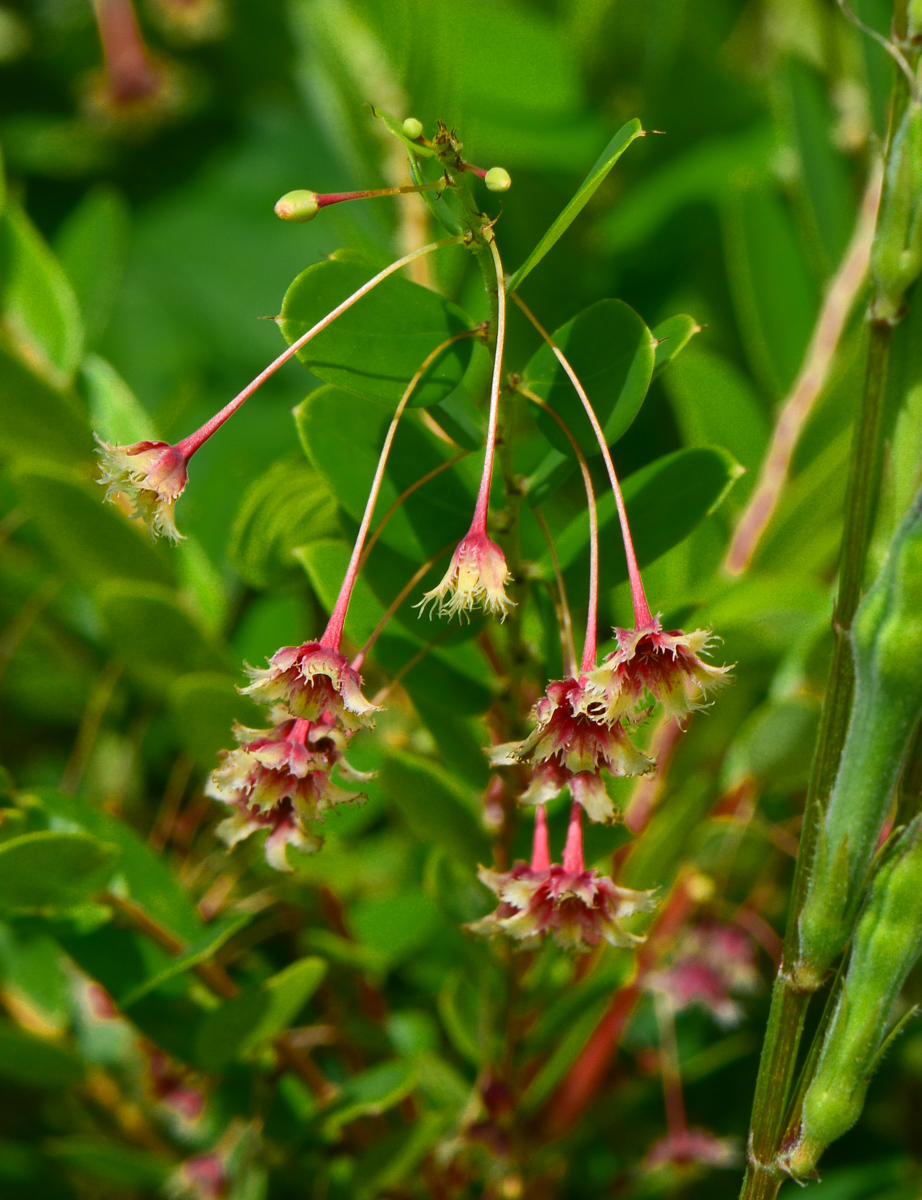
x=477, y=574
x=573, y=741
x=130, y=74
x=579, y=908
x=152, y=475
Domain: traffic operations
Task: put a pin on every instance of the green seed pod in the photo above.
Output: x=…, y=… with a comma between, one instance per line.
x=413, y=128
x=896, y=259
x=887, y=646
x=298, y=206
x=498, y=179
x=887, y=944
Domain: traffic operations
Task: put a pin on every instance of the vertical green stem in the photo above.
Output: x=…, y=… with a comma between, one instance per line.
x=789, y=1005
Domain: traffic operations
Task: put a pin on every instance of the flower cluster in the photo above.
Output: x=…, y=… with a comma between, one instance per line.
x=279, y=778
x=712, y=964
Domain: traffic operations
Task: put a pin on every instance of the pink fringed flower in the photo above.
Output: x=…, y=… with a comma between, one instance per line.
x=477, y=576
x=311, y=680
x=151, y=476
x=691, y=1147
x=713, y=963
x=652, y=663
x=282, y=822
x=573, y=741
x=578, y=907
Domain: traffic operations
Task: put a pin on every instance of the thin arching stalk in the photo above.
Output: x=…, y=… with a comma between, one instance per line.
x=592, y=619
x=642, y=615
x=189, y=445
x=479, y=522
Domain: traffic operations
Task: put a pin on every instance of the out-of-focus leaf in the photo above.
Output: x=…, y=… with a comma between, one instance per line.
x=611, y=351
x=92, y=247
x=116, y=414
x=378, y=344
x=86, y=536
x=563, y=1055
x=288, y=506
x=775, y=745
x=110, y=1161
x=395, y=927
x=39, y=308
x=672, y=336
x=370, y=1093
x=245, y=1022
x=153, y=633
x=208, y=944
x=342, y=435
x=467, y=1015
x=35, y=1061
x=390, y=1161
x=434, y=807
x=32, y=979
x=715, y=405
x=52, y=870
x=205, y=705
x=665, y=500
x=584, y=193
x=776, y=298
x=36, y=420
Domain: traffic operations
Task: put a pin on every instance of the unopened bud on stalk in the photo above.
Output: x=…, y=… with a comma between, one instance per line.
x=887, y=944
x=498, y=179
x=896, y=261
x=298, y=206
x=887, y=646
x=413, y=128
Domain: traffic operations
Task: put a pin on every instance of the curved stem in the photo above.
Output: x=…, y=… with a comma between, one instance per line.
x=188, y=446
x=396, y=603
x=403, y=497
x=592, y=619
x=479, y=523
x=642, y=615
x=404, y=189
x=334, y=631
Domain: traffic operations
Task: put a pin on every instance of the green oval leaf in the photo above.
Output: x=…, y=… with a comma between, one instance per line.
x=376, y=346
x=37, y=420
x=32, y=1060
x=42, y=872
x=435, y=807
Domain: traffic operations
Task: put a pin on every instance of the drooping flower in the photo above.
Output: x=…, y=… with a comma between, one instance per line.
x=151, y=476
x=172, y=1086
x=578, y=907
x=653, y=663
x=476, y=577
x=574, y=739
x=713, y=963
x=284, y=826
x=691, y=1147
x=310, y=680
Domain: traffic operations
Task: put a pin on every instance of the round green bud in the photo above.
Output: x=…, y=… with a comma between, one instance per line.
x=298, y=206
x=498, y=179
x=413, y=128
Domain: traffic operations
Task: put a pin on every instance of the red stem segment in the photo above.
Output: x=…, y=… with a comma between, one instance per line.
x=573, y=861
x=403, y=190
x=642, y=615
x=188, y=446
x=540, y=847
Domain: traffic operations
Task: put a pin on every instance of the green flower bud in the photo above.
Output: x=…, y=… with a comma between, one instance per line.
x=298, y=206
x=887, y=646
x=887, y=944
x=413, y=128
x=498, y=179
x=896, y=260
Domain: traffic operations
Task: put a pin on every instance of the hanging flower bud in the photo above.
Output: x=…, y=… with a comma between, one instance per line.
x=151, y=475
x=476, y=576
x=297, y=206
x=579, y=909
x=498, y=179
x=311, y=680
x=712, y=964
x=652, y=663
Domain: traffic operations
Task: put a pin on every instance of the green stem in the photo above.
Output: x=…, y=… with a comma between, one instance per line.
x=789, y=1005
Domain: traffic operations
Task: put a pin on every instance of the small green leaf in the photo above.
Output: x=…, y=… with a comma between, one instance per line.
x=88, y=538
x=377, y=345
x=672, y=336
x=109, y=1161
x=216, y=935
x=25, y=1058
x=36, y=419
x=435, y=807
x=152, y=632
x=371, y=1093
x=611, y=351
x=38, y=304
x=47, y=871
x=395, y=927
x=92, y=246
x=288, y=506
x=584, y=193
x=248, y=1021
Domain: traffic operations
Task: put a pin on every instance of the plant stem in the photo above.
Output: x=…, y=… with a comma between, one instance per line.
x=789, y=1006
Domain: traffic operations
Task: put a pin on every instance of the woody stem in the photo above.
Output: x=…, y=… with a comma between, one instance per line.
x=479, y=522
x=589, y=642
x=334, y=631
x=188, y=446
x=642, y=614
